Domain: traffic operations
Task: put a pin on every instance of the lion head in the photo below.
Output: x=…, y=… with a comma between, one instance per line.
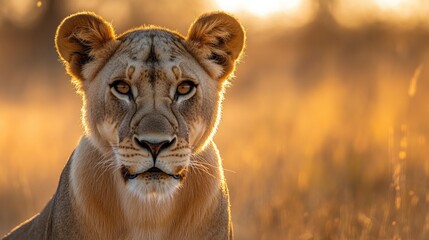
x=151, y=97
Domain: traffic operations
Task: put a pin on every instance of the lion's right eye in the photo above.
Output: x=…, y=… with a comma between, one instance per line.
x=121, y=87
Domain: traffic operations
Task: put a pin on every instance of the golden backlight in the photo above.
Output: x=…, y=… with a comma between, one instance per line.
x=401, y=13
x=389, y=4
x=324, y=132
x=260, y=8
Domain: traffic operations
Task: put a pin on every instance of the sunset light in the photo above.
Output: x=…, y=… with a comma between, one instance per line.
x=260, y=8
x=324, y=128
x=389, y=4
x=402, y=13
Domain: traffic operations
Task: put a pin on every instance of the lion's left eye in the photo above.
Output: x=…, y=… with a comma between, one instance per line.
x=185, y=87
x=122, y=87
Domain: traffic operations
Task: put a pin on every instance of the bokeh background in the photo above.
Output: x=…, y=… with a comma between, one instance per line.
x=325, y=128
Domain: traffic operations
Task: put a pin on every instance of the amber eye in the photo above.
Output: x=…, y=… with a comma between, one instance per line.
x=185, y=87
x=121, y=87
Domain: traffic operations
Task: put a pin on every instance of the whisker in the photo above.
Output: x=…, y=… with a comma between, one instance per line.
x=200, y=169
x=202, y=160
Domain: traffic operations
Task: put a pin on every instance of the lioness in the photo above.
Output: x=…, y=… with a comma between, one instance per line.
x=146, y=167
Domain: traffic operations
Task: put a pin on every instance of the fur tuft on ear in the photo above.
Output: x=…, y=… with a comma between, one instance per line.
x=217, y=39
x=80, y=39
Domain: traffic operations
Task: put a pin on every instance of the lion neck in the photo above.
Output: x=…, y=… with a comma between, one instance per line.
x=109, y=210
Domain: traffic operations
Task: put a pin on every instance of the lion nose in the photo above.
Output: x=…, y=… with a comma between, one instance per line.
x=155, y=147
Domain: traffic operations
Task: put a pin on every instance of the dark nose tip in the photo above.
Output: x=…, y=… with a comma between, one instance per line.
x=155, y=147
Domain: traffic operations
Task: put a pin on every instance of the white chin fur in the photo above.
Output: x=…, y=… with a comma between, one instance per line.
x=153, y=190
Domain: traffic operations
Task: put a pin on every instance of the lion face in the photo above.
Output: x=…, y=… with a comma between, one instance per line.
x=151, y=97
x=153, y=118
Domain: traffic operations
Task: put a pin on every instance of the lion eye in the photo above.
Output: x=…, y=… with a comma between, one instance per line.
x=121, y=87
x=185, y=88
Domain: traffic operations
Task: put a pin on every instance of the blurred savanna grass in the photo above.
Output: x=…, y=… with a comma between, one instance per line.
x=324, y=132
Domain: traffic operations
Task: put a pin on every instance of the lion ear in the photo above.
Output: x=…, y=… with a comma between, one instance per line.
x=218, y=40
x=80, y=39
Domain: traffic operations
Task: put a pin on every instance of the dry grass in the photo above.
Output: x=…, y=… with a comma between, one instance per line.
x=36, y=138
x=306, y=167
